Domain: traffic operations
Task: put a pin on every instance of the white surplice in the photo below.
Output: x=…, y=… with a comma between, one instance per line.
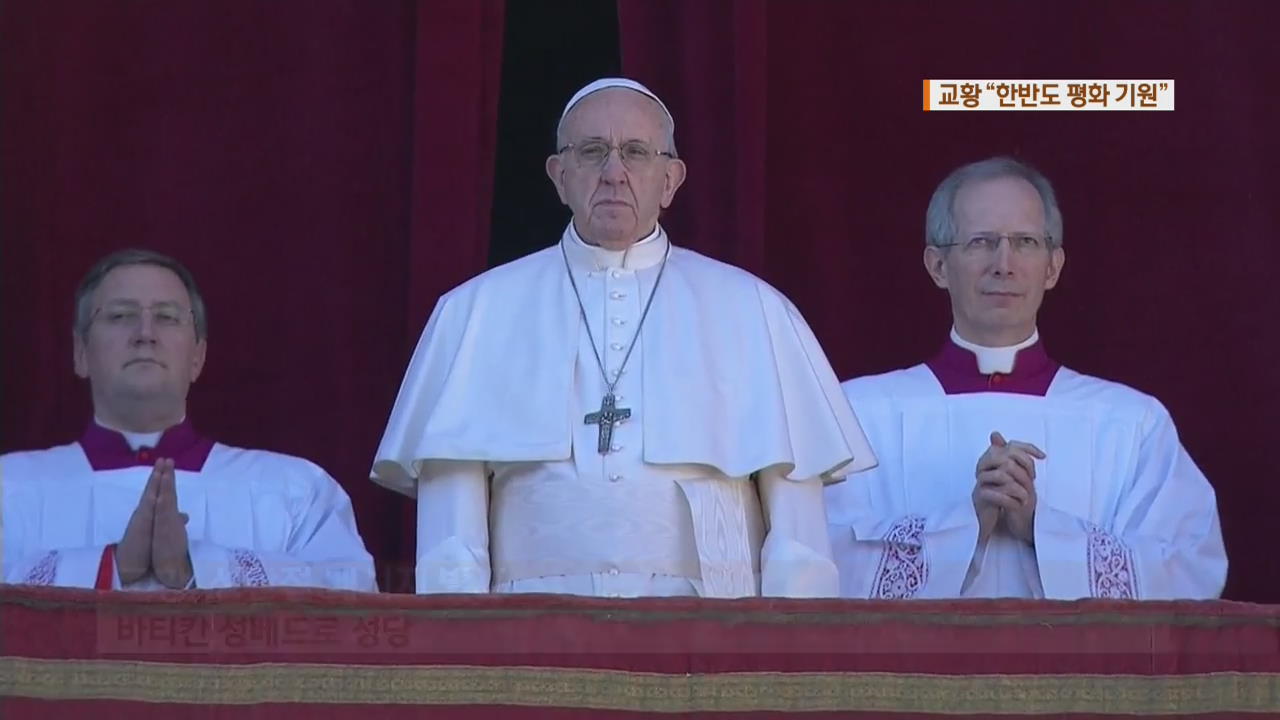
x=726, y=384
x=1122, y=510
x=256, y=518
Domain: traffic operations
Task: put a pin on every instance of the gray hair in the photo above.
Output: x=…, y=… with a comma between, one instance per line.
x=668, y=130
x=939, y=219
x=122, y=258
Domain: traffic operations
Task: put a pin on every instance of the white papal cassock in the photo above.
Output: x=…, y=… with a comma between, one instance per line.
x=1122, y=511
x=255, y=517
x=726, y=382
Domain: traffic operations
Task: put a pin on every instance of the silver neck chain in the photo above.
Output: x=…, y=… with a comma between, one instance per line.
x=587, y=323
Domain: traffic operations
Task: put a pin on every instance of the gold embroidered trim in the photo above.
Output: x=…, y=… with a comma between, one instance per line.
x=635, y=691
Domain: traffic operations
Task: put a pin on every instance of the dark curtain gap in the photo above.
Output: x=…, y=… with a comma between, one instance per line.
x=546, y=57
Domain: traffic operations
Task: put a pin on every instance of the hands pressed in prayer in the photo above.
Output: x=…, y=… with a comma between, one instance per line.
x=133, y=552
x=156, y=536
x=1005, y=488
x=169, y=554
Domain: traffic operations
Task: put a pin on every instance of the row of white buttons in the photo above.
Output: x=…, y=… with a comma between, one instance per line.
x=615, y=274
x=617, y=295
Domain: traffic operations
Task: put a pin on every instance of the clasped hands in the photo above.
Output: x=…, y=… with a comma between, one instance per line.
x=155, y=539
x=1005, y=488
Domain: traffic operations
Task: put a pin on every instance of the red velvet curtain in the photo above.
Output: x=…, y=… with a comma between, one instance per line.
x=811, y=163
x=324, y=168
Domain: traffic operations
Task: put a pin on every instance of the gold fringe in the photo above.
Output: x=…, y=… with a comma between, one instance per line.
x=635, y=691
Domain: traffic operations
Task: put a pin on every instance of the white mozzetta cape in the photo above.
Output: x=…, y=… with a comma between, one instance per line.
x=733, y=377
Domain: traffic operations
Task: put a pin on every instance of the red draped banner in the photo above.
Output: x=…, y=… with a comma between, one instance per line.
x=75, y=653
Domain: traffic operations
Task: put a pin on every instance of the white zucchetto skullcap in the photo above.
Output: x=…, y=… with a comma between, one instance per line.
x=605, y=83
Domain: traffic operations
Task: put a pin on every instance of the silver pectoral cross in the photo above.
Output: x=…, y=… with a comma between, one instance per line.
x=606, y=417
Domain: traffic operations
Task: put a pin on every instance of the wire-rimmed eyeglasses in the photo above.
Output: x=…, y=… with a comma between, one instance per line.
x=989, y=243
x=128, y=315
x=593, y=154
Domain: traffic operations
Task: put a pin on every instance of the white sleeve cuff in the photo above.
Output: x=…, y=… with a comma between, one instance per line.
x=210, y=565
x=78, y=567
x=453, y=567
x=792, y=569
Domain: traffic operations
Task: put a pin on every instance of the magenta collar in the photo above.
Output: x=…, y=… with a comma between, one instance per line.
x=108, y=450
x=957, y=372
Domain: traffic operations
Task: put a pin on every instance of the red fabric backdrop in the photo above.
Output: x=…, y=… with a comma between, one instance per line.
x=811, y=162
x=324, y=168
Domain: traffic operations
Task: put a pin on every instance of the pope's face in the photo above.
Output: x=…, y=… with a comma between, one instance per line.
x=996, y=292
x=140, y=345
x=616, y=203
